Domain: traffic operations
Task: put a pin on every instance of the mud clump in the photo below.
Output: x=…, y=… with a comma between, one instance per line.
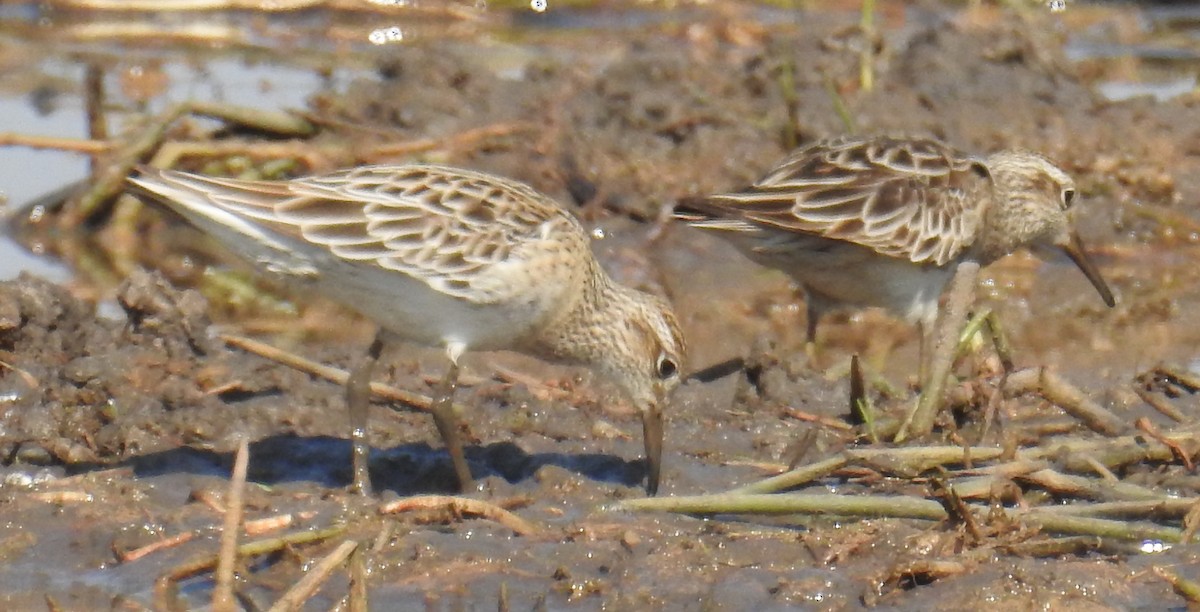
x=83, y=388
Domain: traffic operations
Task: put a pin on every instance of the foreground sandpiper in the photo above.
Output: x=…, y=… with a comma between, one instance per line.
x=889, y=222
x=448, y=258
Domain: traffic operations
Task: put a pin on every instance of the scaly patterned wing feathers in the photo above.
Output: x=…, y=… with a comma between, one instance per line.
x=900, y=197
x=444, y=226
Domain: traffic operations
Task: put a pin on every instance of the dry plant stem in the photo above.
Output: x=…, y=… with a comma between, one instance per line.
x=460, y=140
x=164, y=587
x=1173, y=508
x=1057, y=547
x=1160, y=404
x=307, y=586
x=312, y=155
x=163, y=544
x=223, y=599
x=794, y=478
x=1081, y=525
x=866, y=57
x=335, y=375
x=920, y=420
x=875, y=506
x=62, y=497
x=887, y=507
x=1091, y=488
x=280, y=123
x=465, y=506
x=356, y=599
x=917, y=459
x=73, y=145
x=95, y=98
x=1143, y=424
x=109, y=177
x=1187, y=589
x=272, y=6
x=1066, y=396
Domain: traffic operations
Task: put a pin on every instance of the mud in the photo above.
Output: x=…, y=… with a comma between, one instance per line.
x=116, y=429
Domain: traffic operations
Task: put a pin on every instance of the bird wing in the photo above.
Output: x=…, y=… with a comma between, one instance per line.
x=451, y=228
x=909, y=198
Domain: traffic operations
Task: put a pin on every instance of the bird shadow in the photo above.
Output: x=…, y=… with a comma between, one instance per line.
x=405, y=469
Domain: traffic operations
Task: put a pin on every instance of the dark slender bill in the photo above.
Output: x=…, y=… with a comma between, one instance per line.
x=652, y=430
x=1078, y=255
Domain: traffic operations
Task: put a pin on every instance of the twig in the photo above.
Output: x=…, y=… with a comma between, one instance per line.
x=1143, y=424
x=74, y=145
x=223, y=598
x=461, y=506
x=335, y=375
x=1079, y=486
x=163, y=544
x=875, y=506
x=356, y=599
x=1164, y=508
x=888, y=506
x=399, y=149
x=866, y=57
x=62, y=497
x=794, y=478
x=164, y=587
x=1066, y=396
x=1187, y=589
x=300, y=592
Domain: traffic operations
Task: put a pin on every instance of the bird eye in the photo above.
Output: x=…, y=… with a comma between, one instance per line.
x=667, y=367
x=1068, y=198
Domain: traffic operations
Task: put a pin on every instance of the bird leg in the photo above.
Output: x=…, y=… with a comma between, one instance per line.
x=919, y=421
x=814, y=306
x=358, y=400
x=446, y=420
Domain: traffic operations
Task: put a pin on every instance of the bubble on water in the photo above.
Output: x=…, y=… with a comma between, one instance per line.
x=384, y=36
x=599, y=233
x=1153, y=546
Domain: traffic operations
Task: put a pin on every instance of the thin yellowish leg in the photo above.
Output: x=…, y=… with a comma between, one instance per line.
x=447, y=425
x=358, y=400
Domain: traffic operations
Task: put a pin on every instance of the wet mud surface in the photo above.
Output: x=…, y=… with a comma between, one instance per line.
x=117, y=424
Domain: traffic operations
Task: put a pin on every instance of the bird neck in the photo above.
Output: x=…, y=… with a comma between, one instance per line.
x=579, y=333
x=1004, y=226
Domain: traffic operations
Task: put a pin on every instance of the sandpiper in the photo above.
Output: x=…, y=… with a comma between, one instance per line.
x=889, y=221
x=448, y=258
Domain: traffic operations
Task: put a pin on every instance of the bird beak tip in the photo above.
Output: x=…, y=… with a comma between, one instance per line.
x=652, y=430
x=1074, y=250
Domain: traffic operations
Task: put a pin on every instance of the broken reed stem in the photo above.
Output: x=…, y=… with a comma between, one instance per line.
x=889, y=506
x=307, y=586
x=1187, y=589
x=164, y=587
x=866, y=57
x=223, y=599
x=1063, y=394
x=870, y=506
x=1078, y=486
x=461, y=139
x=72, y=145
x=462, y=506
x=1175, y=508
x=794, y=478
